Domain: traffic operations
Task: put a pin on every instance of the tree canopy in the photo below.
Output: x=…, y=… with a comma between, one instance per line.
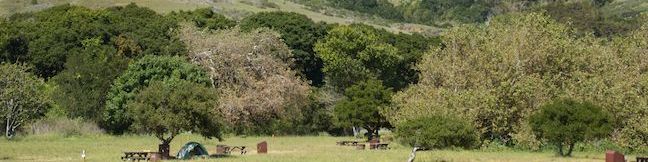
x=138, y=76
x=86, y=79
x=565, y=122
x=45, y=41
x=363, y=106
x=352, y=54
x=252, y=72
x=496, y=77
x=300, y=33
x=22, y=97
x=170, y=107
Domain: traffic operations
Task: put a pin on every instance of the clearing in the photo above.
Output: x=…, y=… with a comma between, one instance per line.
x=285, y=149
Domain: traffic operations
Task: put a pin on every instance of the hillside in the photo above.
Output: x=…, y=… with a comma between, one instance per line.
x=621, y=7
x=235, y=9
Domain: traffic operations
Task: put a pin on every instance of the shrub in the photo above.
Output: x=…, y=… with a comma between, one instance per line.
x=437, y=132
x=565, y=122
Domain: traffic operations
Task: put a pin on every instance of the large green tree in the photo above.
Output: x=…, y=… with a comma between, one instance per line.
x=138, y=76
x=352, y=54
x=46, y=38
x=363, y=105
x=300, y=33
x=565, y=122
x=22, y=97
x=168, y=108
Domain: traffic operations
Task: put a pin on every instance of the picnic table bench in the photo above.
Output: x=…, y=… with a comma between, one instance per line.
x=381, y=146
x=225, y=149
x=347, y=143
x=138, y=155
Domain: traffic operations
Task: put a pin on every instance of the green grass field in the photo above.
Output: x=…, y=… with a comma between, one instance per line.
x=284, y=149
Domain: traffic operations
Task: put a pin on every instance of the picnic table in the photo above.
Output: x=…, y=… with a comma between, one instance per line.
x=381, y=146
x=642, y=159
x=138, y=155
x=225, y=149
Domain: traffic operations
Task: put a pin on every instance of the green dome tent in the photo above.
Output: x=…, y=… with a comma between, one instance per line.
x=190, y=150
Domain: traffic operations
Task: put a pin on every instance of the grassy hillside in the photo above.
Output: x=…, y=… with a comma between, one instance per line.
x=233, y=8
x=621, y=7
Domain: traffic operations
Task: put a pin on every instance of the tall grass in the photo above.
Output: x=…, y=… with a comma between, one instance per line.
x=63, y=126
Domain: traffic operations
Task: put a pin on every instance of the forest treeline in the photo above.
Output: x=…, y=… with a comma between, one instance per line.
x=129, y=70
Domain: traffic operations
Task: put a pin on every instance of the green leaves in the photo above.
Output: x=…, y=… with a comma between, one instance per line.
x=566, y=122
x=354, y=54
x=496, y=75
x=138, y=76
x=22, y=97
x=437, y=132
x=44, y=39
x=167, y=108
x=363, y=105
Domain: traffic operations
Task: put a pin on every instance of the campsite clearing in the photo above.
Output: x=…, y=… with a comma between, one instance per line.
x=308, y=148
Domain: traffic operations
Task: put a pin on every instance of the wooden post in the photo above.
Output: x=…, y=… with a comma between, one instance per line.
x=613, y=156
x=262, y=148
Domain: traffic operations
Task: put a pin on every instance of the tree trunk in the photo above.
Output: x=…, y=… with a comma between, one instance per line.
x=570, y=149
x=413, y=155
x=164, y=149
x=560, y=149
x=355, y=131
x=8, y=131
x=370, y=134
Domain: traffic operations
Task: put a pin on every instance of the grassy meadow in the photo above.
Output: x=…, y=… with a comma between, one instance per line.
x=285, y=149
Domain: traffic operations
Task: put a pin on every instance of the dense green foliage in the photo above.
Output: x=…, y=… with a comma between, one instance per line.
x=45, y=41
x=496, y=77
x=88, y=74
x=362, y=107
x=22, y=97
x=353, y=54
x=300, y=34
x=137, y=77
x=168, y=108
x=437, y=132
x=563, y=123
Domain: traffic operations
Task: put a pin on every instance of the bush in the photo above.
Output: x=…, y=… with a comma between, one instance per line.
x=437, y=132
x=566, y=122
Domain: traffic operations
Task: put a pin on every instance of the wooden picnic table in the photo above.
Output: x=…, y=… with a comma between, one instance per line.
x=137, y=155
x=381, y=146
x=642, y=159
x=225, y=149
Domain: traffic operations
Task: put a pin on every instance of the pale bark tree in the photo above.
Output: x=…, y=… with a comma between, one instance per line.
x=22, y=97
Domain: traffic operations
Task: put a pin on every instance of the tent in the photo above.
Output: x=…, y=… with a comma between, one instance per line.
x=190, y=150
